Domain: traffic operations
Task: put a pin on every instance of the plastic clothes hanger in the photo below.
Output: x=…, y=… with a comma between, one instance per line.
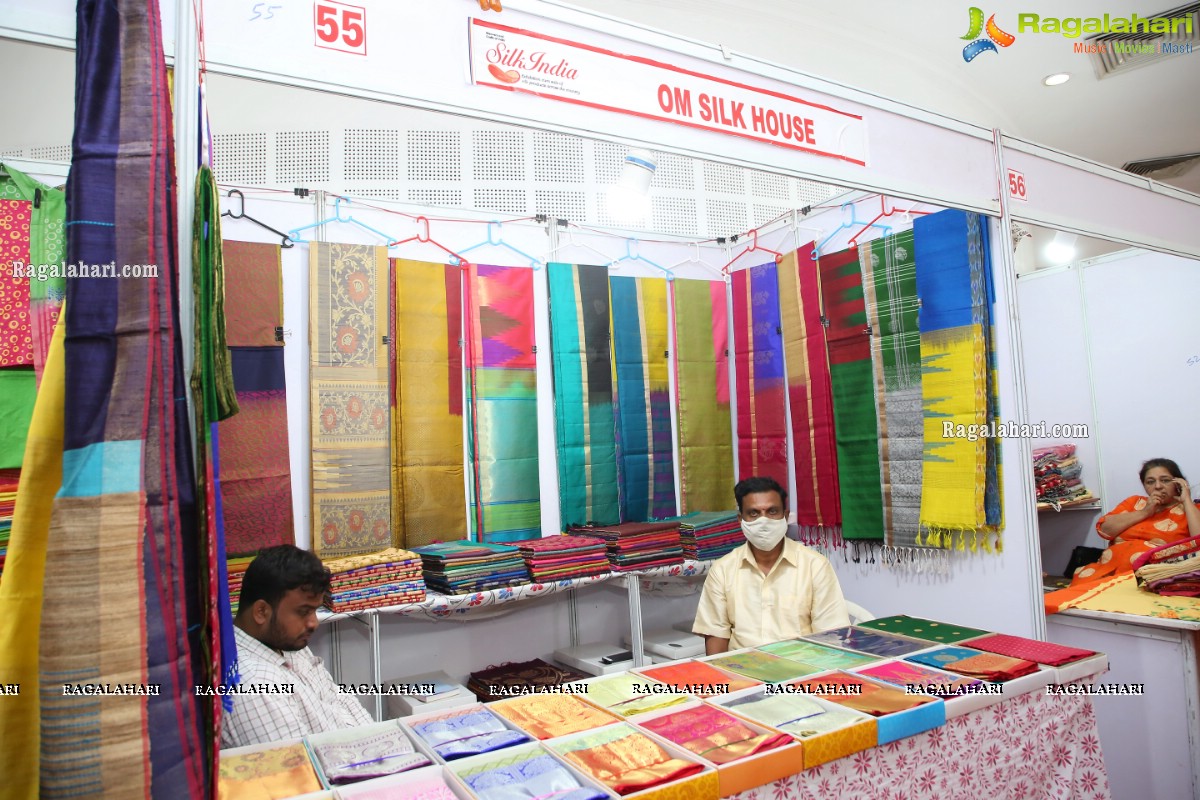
x=633, y=254
x=423, y=237
x=883, y=212
x=337, y=217
x=498, y=241
x=605, y=258
x=694, y=258
x=287, y=240
x=752, y=248
x=853, y=222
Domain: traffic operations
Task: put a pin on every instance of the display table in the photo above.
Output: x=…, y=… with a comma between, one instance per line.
x=1032, y=745
x=1153, y=741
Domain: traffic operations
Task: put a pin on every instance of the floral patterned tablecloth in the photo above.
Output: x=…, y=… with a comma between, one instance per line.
x=1031, y=746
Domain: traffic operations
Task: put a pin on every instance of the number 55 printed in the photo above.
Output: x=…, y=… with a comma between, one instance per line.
x=340, y=26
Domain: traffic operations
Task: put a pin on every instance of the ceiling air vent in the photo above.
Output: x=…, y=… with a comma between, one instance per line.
x=1121, y=52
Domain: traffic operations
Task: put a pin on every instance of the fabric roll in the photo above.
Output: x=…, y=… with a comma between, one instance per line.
x=256, y=480
x=428, y=494
x=254, y=300
x=583, y=394
x=645, y=449
x=702, y=392
x=22, y=588
x=502, y=402
x=817, y=502
x=351, y=497
x=960, y=477
x=890, y=288
x=854, y=409
x=758, y=362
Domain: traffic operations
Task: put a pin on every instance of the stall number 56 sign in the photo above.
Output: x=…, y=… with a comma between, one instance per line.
x=1016, y=186
x=339, y=26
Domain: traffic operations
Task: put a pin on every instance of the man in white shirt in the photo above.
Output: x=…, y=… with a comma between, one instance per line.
x=277, y=613
x=771, y=588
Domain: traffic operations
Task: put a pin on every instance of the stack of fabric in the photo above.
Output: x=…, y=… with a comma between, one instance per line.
x=1173, y=569
x=506, y=680
x=640, y=545
x=8, y=499
x=236, y=569
x=387, y=578
x=463, y=567
x=708, y=535
x=557, y=558
x=1056, y=473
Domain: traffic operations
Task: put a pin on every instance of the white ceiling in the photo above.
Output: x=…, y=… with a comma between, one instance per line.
x=915, y=56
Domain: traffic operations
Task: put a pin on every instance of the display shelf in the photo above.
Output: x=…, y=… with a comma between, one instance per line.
x=1082, y=504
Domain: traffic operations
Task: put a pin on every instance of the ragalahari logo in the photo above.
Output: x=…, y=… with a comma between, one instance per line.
x=994, y=37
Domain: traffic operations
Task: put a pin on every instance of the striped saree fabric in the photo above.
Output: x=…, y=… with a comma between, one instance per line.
x=348, y=398
x=890, y=288
x=702, y=392
x=428, y=490
x=758, y=362
x=954, y=284
x=645, y=450
x=817, y=502
x=583, y=394
x=855, y=416
x=502, y=400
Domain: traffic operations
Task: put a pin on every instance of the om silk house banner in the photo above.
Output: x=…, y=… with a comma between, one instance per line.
x=428, y=491
x=702, y=392
x=502, y=398
x=645, y=449
x=758, y=361
x=351, y=484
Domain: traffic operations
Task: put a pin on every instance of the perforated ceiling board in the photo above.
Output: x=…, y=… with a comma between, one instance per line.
x=724, y=179
x=676, y=215
x=498, y=156
x=434, y=156
x=302, y=157
x=607, y=160
x=762, y=214
x=726, y=217
x=508, y=201
x=60, y=152
x=18, y=152
x=448, y=198
x=372, y=155
x=764, y=185
x=557, y=159
x=561, y=204
x=377, y=191
x=241, y=158
x=675, y=172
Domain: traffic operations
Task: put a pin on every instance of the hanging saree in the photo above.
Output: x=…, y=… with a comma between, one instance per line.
x=502, y=402
x=758, y=362
x=254, y=294
x=855, y=414
x=960, y=478
x=817, y=502
x=702, y=392
x=890, y=288
x=349, y=399
x=583, y=394
x=428, y=493
x=122, y=540
x=645, y=450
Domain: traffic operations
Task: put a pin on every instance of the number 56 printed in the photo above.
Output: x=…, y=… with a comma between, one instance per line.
x=339, y=26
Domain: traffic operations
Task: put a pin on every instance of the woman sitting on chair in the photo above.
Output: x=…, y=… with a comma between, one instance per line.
x=1141, y=523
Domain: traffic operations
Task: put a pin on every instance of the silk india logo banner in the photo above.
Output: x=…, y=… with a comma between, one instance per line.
x=994, y=37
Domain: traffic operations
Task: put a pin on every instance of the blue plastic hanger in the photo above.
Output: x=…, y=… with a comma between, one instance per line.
x=498, y=241
x=854, y=221
x=632, y=254
x=337, y=217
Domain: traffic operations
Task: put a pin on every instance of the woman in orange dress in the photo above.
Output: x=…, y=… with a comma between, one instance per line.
x=1141, y=523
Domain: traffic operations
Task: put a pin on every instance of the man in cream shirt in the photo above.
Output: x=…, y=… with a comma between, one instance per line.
x=771, y=588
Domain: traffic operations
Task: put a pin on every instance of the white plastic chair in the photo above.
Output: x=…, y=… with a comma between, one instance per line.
x=858, y=613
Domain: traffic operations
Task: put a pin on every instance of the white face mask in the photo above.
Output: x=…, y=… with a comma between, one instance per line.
x=765, y=533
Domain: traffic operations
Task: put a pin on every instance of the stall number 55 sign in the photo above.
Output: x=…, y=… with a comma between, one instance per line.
x=339, y=26
x=1016, y=185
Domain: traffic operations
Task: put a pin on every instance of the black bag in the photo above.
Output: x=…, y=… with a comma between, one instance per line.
x=1082, y=556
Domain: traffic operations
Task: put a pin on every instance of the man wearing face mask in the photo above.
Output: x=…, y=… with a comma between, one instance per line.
x=277, y=613
x=771, y=588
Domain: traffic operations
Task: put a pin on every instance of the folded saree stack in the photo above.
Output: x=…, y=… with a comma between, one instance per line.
x=792, y=713
x=364, y=752
x=464, y=567
x=558, y=558
x=627, y=694
x=639, y=545
x=236, y=570
x=283, y=771
x=1054, y=655
x=708, y=535
x=507, y=680
x=466, y=732
x=699, y=678
x=528, y=772
x=872, y=698
x=1056, y=474
x=8, y=499
x=1171, y=570
x=976, y=663
x=387, y=578
x=547, y=716
x=713, y=734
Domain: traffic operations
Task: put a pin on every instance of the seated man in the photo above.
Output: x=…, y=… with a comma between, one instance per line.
x=277, y=613
x=771, y=588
